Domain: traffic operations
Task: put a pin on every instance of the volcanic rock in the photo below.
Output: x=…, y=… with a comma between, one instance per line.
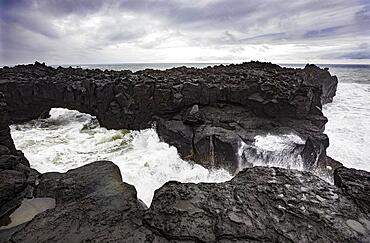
x=200, y=111
x=260, y=204
x=194, y=116
x=14, y=167
x=355, y=184
x=92, y=205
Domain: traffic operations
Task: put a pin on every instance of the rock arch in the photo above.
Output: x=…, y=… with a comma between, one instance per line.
x=205, y=113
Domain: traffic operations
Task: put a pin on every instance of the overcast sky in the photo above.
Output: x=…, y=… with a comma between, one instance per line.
x=113, y=31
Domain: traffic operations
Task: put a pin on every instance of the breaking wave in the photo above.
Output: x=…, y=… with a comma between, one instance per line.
x=273, y=150
x=69, y=139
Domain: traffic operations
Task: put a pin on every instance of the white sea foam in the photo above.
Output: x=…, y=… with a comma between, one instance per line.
x=275, y=143
x=69, y=139
x=349, y=125
x=272, y=150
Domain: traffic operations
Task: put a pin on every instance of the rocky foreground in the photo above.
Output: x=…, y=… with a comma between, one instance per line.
x=260, y=204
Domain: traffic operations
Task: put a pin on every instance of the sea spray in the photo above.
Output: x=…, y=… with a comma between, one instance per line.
x=279, y=150
x=69, y=139
x=349, y=123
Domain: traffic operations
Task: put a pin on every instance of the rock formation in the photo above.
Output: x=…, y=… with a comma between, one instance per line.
x=14, y=167
x=260, y=204
x=206, y=113
x=95, y=207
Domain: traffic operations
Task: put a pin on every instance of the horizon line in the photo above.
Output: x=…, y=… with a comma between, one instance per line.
x=216, y=63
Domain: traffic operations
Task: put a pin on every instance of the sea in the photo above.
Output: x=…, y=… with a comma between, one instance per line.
x=69, y=139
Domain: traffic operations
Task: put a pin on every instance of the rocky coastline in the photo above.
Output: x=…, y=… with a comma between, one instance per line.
x=206, y=114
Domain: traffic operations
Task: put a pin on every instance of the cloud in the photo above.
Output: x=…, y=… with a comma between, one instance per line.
x=359, y=52
x=330, y=31
x=93, y=31
x=357, y=55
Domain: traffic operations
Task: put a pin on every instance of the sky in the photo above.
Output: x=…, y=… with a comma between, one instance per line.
x=166, y=31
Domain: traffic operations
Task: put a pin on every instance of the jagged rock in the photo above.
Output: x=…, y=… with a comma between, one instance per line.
x=194, y=116
x=328, y=84
x=180, y=135
x=92, y=205
x=355, y=184
x=207, y=114
x=183, y=99
x=260, y=204
x=4, y=150
x=12, y=183
x=14, y=167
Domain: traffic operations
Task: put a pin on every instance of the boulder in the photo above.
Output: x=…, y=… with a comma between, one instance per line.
x=260, y=204
x=92, y=205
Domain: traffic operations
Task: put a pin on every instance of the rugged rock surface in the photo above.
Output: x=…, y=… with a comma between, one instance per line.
x=206, y=113
x=322, y=78
x=90, y=207
x=356, y=184
x=260, y=204
x=14, y=167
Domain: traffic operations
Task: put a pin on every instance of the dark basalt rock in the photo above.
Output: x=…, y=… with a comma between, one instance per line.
x=92, y=205
x=322, y=78
x=207, y=119
x=355, y=184
x=260, y=204
x=14, y=167
x=197, y=110
x=194, y=116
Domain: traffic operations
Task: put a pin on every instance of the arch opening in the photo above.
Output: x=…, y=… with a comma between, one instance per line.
x=69, y=139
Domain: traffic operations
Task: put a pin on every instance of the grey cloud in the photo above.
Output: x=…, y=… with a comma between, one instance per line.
x=54, y=7
x=357, y=55
x=363, y=16
x=267, y=37
x=36, y=26
x=124, y=36
x=323, y=32
x=359, y=52
x=230, y=39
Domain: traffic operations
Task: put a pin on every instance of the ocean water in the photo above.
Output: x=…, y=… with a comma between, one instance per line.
x=140, y=66
x=69, y=139
x=348, y=127
x=273, y=150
